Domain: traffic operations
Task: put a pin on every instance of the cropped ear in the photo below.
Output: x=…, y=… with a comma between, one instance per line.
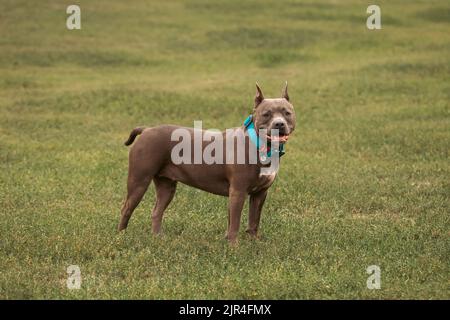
x=259, y=96
x=284, y=94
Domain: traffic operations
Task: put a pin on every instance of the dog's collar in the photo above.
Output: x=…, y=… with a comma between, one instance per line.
x=263, y=150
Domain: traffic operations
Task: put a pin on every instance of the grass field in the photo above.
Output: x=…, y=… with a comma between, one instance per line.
x=365, y=180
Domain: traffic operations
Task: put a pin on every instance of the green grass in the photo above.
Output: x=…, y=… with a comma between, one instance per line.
x=365, y=179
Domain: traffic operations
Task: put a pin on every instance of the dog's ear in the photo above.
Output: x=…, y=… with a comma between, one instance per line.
x=259, y=97
x=284, y=94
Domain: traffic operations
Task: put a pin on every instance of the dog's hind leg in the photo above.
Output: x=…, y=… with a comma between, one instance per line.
x=165, y=190
x=136, y=190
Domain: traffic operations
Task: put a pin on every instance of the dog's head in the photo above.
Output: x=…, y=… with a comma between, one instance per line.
x=274, y=114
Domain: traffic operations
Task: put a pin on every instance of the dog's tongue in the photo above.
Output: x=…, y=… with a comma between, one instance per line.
x=281, y=139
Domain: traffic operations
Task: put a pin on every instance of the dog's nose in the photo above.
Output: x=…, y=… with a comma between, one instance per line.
x=280, y=126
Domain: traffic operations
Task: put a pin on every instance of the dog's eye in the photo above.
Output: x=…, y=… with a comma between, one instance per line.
x=287, y=113
x=266, y=114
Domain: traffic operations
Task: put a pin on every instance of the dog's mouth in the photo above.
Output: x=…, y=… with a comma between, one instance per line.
x=281, y=138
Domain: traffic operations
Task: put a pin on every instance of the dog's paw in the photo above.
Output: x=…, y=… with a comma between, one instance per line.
x=252, y=234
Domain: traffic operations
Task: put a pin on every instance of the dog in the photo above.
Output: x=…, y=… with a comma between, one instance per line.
x=151, y=159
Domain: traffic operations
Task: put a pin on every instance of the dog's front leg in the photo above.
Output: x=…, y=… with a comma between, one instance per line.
x=254, y=215
x=235, y=204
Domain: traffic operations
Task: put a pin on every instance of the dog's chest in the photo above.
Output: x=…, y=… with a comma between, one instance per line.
x=264, y=181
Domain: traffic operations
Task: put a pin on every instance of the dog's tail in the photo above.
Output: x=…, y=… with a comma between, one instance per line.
x=134, y=133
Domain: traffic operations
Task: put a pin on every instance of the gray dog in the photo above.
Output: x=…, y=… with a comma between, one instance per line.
x=150, y=159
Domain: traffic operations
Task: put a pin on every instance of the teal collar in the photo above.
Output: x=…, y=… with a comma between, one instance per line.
x=250, y=126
